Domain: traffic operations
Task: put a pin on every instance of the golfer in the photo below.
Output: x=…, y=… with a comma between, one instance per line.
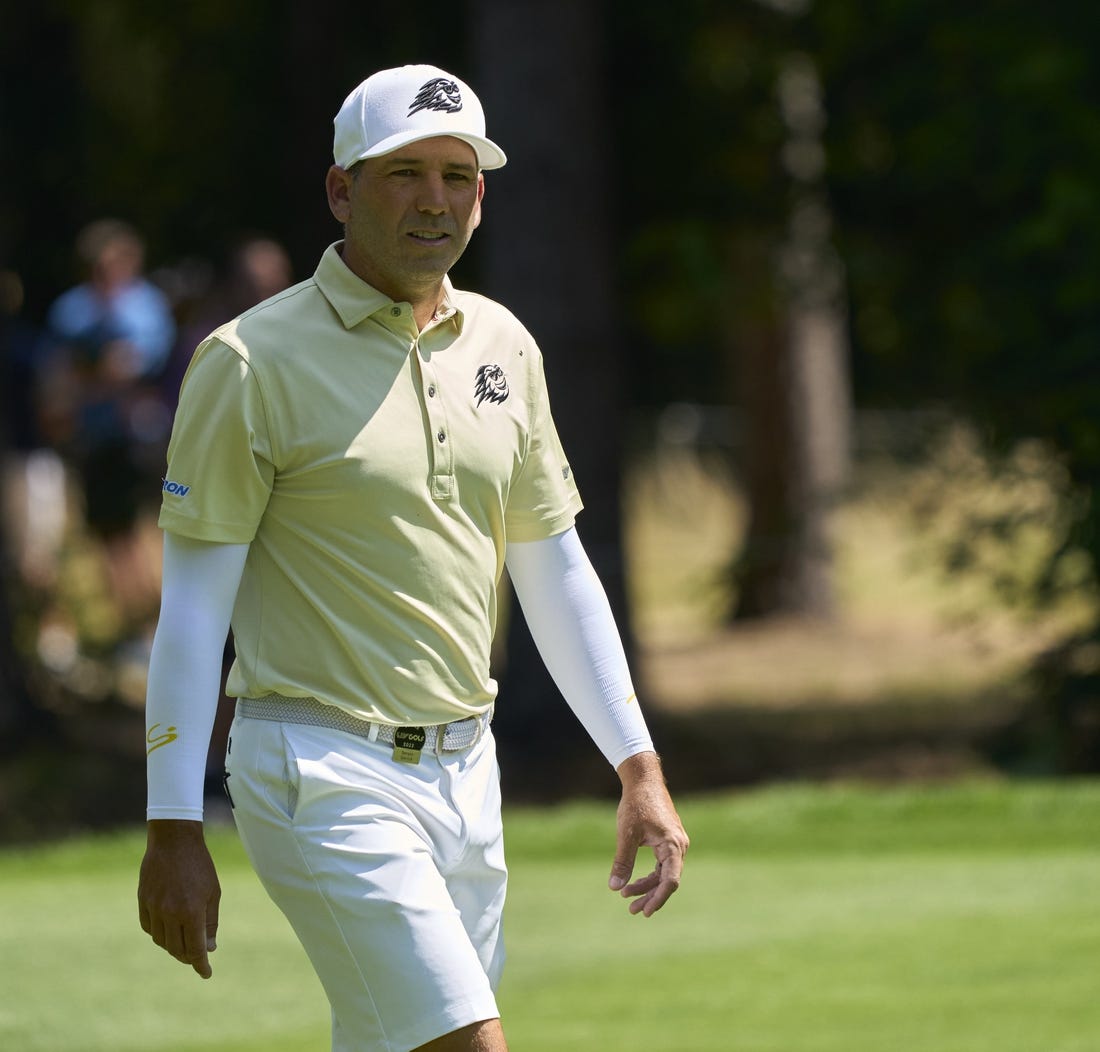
x=354, y=463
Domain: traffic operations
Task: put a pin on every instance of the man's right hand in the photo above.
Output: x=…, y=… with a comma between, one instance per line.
x=178, y=892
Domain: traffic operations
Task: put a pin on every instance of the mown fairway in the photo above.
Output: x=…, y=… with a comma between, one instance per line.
x=961, y=919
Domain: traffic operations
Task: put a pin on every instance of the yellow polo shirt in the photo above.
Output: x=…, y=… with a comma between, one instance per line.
x=377, y=474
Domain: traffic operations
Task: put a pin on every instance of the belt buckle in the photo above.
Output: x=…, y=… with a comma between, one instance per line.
x=408, y=743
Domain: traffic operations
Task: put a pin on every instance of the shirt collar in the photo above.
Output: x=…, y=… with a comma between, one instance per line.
x=448, y=308
x=354, y=300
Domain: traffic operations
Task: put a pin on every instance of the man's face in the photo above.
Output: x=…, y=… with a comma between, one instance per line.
x=408, y=215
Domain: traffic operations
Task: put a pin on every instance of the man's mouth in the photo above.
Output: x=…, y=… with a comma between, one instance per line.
x=430, y=236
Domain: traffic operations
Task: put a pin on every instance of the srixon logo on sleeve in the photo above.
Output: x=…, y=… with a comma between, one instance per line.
x=177, y=489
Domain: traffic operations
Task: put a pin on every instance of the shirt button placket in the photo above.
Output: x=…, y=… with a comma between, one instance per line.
x=442, y=455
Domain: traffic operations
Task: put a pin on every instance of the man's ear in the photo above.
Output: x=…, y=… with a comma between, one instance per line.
x=338, y=188
x=480, y=198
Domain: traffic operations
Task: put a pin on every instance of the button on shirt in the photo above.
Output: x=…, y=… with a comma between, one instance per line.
x=377, y=473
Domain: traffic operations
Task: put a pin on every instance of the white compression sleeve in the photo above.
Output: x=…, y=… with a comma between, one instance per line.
x=200, y=582
x=572, y=625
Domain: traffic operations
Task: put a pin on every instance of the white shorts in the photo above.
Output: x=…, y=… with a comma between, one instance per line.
x=392, y=875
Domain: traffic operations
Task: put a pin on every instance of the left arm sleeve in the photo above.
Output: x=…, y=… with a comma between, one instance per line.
x=543, y=499
x=572, y=625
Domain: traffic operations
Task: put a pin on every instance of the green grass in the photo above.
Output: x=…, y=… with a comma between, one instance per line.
x=934, y=919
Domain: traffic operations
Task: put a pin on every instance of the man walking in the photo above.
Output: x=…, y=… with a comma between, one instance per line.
x=353, y=464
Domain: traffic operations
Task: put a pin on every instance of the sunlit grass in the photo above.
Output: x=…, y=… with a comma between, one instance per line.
x=842, y=919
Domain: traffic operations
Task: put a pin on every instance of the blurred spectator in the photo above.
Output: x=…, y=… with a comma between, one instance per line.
x=257, y=267
x=115, y=320
x=108, y=342
x=34, y=477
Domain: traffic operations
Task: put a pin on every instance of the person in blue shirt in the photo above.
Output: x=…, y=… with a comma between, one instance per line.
x=116, y=324
x=108, y=341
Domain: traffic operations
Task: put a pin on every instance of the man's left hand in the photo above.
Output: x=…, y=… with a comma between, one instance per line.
x=647, y=817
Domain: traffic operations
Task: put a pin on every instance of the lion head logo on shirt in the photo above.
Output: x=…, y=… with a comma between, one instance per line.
x=490, y=383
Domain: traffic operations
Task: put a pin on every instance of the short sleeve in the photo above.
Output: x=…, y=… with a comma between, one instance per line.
x=543, y=500
x=220, y=461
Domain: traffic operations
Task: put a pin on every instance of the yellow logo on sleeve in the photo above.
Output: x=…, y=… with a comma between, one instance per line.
x=155, y=740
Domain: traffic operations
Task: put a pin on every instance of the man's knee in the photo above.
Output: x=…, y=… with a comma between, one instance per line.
x=486, y=1036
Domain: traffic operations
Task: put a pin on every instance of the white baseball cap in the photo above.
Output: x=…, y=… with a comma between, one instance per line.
x=398, y=106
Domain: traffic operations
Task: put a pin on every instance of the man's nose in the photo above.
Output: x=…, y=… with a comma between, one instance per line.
x=432, y=197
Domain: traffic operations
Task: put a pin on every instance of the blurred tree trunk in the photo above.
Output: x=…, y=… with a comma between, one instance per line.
x=545, y=250
x=314, y=57
x=792, y=375
x=19, y=716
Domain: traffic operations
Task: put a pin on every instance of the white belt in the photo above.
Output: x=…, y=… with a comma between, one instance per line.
x=440, y=737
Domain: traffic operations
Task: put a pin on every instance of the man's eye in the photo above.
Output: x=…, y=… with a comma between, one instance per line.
x=458, y=177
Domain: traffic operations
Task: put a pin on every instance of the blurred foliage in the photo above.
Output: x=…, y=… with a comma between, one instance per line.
x=704, y=196
x=964, y=148
x=963, y=152
x=1004, y=522
x=962, y=168
x=963, y=172
x=195, y=121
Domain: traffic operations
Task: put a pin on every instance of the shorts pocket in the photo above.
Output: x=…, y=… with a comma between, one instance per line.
x=282, y=789
x=261, y=767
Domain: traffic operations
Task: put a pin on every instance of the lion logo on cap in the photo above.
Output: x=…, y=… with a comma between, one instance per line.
x=438, y=94
x=490, y=383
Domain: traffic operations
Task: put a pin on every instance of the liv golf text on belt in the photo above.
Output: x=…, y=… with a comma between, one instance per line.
x=177, y=488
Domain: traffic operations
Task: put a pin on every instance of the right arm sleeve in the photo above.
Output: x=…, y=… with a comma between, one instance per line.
x=221, y=465
x=200, y=582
